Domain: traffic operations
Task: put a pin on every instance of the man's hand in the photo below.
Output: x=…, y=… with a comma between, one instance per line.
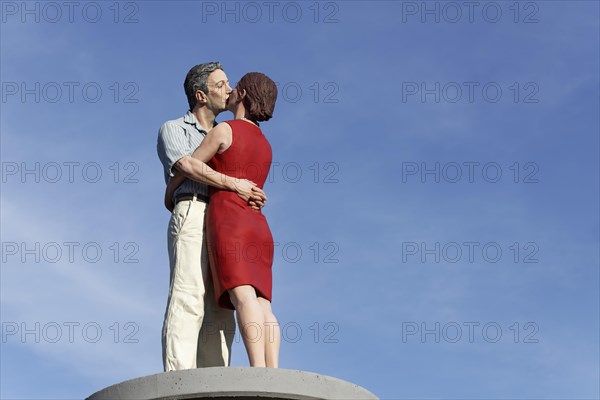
x=258, y=199
x=250, y=193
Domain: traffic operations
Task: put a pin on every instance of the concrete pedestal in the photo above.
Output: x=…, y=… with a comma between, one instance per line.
x=234, y=383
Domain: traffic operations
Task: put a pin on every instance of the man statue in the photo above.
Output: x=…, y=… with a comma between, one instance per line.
x=196, y=332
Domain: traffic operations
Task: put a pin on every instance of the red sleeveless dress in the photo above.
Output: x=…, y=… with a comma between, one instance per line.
x=240, y=244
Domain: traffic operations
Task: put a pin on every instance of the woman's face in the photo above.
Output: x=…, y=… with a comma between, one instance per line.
x=233, y=100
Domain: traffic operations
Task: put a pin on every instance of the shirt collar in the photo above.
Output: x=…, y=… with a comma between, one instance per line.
x=190, y=118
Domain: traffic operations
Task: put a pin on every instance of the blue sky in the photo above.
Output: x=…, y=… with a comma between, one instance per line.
x=435, y=197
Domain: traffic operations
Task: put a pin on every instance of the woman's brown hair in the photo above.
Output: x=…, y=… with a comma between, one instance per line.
x=261, y=94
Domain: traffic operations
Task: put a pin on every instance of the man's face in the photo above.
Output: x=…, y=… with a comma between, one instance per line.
x=218, y=91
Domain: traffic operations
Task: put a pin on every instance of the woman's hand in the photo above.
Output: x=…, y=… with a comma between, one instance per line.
x=174, y=183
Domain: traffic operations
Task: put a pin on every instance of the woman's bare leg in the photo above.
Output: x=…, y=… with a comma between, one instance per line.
x=272, y=334
x=251, y=321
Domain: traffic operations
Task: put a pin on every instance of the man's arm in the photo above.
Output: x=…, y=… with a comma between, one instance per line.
x=194, y=167
x=172, y=146
x=197, y=170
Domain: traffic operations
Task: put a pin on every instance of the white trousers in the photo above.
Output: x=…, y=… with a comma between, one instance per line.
x=196, y=332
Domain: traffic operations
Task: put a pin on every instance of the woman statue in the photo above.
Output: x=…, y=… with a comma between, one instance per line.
x=238, y=236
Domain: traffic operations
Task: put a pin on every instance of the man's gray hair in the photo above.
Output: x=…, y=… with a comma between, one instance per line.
x=197, y=79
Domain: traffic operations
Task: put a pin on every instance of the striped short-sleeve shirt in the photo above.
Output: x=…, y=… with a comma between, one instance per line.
x=176, y=139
